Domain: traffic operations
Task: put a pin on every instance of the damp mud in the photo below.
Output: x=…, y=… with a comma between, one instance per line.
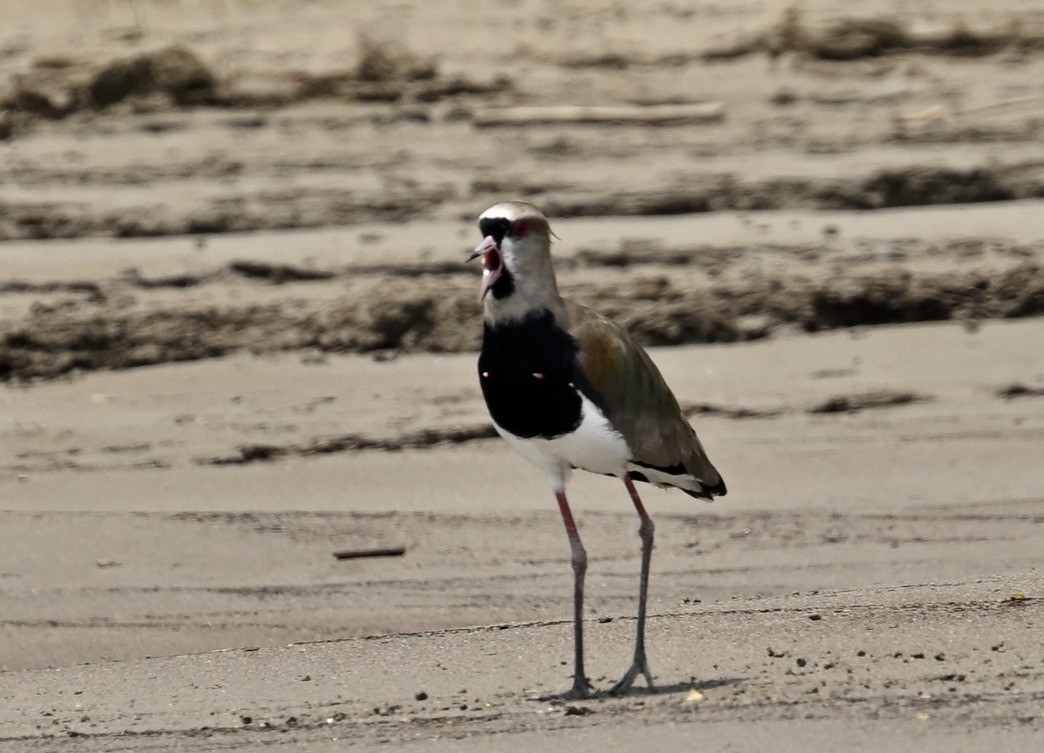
x=238, y=336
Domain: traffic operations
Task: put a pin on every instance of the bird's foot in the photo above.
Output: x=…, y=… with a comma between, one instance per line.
x=639, y=666
x=581, y=689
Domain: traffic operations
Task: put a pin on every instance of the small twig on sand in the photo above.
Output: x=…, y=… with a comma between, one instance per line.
x=653, y=115
x=355, y=554
x=937, y=112
x=1007, y=104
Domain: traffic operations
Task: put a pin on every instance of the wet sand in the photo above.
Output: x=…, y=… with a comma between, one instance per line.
x=237, y=336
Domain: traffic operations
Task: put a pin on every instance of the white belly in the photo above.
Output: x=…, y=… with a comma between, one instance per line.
x=594, y=446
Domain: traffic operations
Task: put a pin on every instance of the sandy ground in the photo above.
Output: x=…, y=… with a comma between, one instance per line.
x=236, y=336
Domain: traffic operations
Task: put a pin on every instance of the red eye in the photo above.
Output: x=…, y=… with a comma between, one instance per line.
x=520, y=229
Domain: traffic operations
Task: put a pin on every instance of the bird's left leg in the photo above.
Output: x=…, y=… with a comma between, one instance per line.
x=645, y=531
x=581, y=687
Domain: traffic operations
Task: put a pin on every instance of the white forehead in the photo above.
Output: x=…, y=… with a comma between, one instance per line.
x=510, y=210
x=506, y=210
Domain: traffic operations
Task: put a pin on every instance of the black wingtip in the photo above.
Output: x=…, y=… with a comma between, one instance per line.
x=710, y=492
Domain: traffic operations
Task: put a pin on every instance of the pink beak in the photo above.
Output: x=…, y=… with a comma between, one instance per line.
x=492, y=263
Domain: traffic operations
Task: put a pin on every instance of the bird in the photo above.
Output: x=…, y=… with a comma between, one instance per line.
x=569, y=389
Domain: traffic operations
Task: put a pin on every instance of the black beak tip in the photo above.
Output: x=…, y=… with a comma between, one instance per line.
x=472, y=256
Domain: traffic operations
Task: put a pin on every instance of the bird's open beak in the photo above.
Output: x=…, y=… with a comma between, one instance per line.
x=492, y=263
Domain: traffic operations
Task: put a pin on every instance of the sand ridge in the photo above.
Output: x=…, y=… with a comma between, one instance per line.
x=237, y=337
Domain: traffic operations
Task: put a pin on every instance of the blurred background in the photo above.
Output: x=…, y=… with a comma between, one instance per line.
x=237, y=336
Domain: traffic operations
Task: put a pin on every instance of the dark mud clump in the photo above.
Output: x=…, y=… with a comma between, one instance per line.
x=57, y=87
x=846, y=39
x=901, y=296
x=1017, y=390
x=867, y=400
x=439, y=313
x=894, y=297
x=173, y=77
x=277, y=274
x=253, y=453
x=913, y=185
x=388, y=61
x=173, y=71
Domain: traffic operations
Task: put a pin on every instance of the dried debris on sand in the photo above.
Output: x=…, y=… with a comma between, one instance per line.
x=102, y=327
x=57, y=86
x=854, y=38
x=177, y=522
x=867, y=400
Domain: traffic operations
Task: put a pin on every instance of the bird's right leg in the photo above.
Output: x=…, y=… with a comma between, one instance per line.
x=640, y=665
x=581, y=687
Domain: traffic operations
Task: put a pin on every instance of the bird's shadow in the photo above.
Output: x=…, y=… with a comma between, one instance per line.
x=643, y=691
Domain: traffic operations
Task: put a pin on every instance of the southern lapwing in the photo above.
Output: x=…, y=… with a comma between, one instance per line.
x=569, y=389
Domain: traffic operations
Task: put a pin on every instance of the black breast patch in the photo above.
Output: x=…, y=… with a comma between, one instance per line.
x=530, y=377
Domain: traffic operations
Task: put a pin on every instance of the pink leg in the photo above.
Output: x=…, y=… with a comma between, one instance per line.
x=645, y=532
x=581, y=687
